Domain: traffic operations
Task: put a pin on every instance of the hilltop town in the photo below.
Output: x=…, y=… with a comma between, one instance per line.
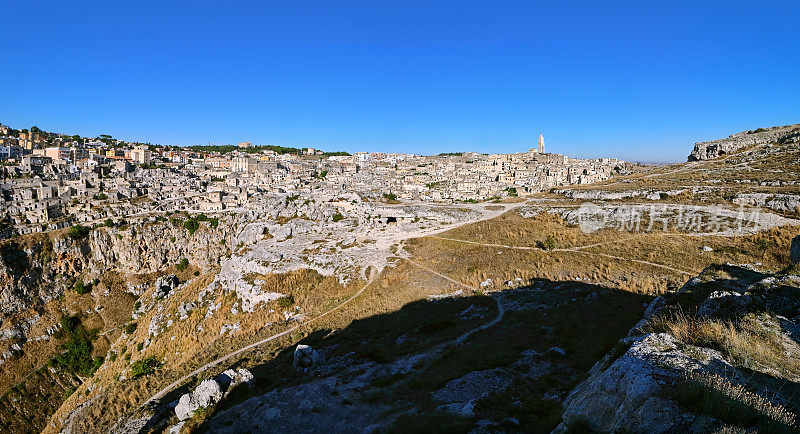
x=50, y=180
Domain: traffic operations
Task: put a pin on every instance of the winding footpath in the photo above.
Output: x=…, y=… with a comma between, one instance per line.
x=161, y=393
x=578, y=250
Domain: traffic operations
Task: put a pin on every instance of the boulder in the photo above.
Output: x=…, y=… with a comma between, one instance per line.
x=724, y=304
x=306, y=357
x=795, y=252
x=165, y=284
x=229, y=379
x=206, y=394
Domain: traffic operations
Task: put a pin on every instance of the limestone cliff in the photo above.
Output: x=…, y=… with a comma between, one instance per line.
x=38, y=268
x=716, y=148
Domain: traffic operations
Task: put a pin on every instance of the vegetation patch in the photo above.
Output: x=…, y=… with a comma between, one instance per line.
x=76, y=353
x=144, y=367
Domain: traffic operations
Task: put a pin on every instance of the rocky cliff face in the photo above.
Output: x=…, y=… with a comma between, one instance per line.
x=39, y=268
x=717, y=148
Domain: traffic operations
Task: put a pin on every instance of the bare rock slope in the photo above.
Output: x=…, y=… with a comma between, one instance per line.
x=716, y=148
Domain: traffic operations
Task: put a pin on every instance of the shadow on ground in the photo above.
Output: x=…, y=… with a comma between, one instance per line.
x=396, y=371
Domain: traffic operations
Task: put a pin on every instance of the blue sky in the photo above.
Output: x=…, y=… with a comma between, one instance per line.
x=637, y=80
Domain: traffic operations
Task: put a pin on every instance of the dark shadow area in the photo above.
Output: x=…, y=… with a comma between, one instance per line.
x=562, y=328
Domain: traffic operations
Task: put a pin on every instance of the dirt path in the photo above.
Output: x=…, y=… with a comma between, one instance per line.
x=578, y=250
x=161, y=393
x=500, y=309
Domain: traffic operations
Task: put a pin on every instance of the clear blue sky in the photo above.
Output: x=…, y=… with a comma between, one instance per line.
x=639, y=80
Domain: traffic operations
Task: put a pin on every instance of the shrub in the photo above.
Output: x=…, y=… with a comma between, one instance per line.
x=78, y=231
x=76, y=353
x=549, y=243
x=337, y=217
x=389, y=196
x=182, y=265
x=144, y=367
x=82, y=288
x=109, y=223
x=286, y=302
x=191, y=225
x=130, y=327
x=139, y=346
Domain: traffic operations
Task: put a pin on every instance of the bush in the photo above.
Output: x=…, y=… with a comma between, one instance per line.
x=549, y=243
x=337, y=217
x=389, y=196
x=76, y=353
x=78, y=231
x=130, y=327
x=191, y=225
x=144, y=367
x=82, y=288
x=182, y=265
x=286, y=302
x=109, y=223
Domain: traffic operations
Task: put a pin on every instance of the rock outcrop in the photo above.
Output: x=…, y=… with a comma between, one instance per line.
x=205, y=395
x=306, y=357
x=629, y=395
x=641, y=385
x=211, y=391
x=39, y=268
x=716, y=148
x=165, y=284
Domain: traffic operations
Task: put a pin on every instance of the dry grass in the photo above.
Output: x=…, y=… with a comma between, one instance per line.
x=739, y=394
x=748, y=342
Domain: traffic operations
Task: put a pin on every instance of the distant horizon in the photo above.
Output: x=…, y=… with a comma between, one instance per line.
x=639, y=82
x=332, y=148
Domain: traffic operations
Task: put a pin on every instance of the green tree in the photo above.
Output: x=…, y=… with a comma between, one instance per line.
x=78, y=231
x=191, y=225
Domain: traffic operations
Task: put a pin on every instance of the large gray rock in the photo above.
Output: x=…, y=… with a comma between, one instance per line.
x=206, y=394
x=795, y=252
x=631, y=395
x=211, y=391
x=306, y=357
x=717, y=148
